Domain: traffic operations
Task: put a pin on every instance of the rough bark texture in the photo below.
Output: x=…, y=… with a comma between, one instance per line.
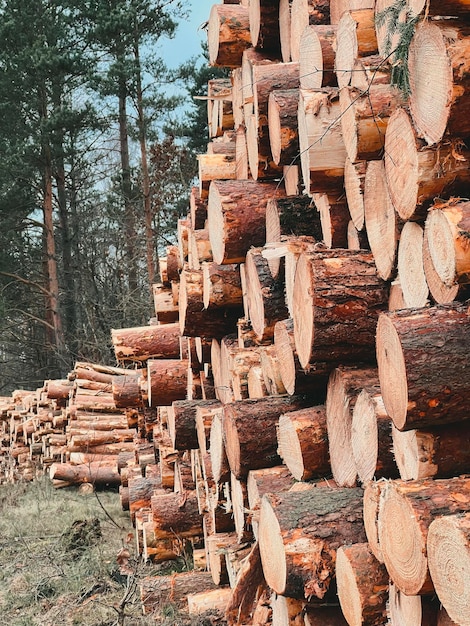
x=228, y=35
x=160, y=591
x=176, y=514
x=167, y=381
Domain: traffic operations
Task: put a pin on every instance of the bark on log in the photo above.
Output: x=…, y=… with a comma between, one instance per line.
x=267, y=480
x=250, y=431
x=317, y=57
x=410, y=266
x=447, y=231
x=264, y=25
x=198, y=212
x=58, y=389
x=141, y=490
x=411, y=347
x=265, y=295
x=303, y=442
x=182, y=422
x=354, y=182
x=451, y=8
x=371, y=437
x=98, y=473
x=362, y=585
x=303, y=14
x=380, y=220
x=406, y=510
x=221, y=286
x=219, y=460
x=337, y=297
x=283, y=105
x=440, y=292
x=228, y=35
x=237, y=217
x=441, y=45
x=364, y=119
x=126, y=392
x=299, y=534
x=355, y=38
x=144, y=342
x=449, y=564
x=432, y=452
x=156, y=592
x=417, y=173
x=344, y=387
x=334, y=217
x=371, y=501
x=176, y=514
x=166, y=310
x=167, y=381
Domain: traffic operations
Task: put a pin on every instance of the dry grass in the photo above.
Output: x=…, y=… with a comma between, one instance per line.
x=58, y=563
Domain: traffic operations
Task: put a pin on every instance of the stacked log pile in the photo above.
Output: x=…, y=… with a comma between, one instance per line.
x=301, y=400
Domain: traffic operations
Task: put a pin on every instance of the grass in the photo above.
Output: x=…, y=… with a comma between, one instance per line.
x=58, y=564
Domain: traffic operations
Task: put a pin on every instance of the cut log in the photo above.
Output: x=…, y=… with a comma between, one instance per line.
x=283, y=105
x=441, y=45
x=410, y=266
x=344, y=387
x=216, y=546
x=449, y=564
x=339, y=7
x=299, y=558
x=228, y=34
x=165, y=308
x=368, y=71
x=390, y=19
x=317, y=57
x=237, y=217
x=240, y=511
x=355, y=38
x=212, y=602
x=303, y=14
x=167, y=381
x=199, y=248
x=264, y=25
x=354, y=181
x=198, y=212
x=141, y=490
x=371, y=437
x=440, y=292
x=447, y=231
x=126, y=391
x=357, y=239
x=204, y=417
x=362, y=585
x=250, y=431
x=411, y=346
x=371, y=501
x=291, y=178
x=176, y=515
x=287, y=611
x=303, y=442
x=214, y=167
x=249, y=580
x=334, y=217
x=406, y=510
x=219, y=460
x=267, y=480
x=412, y=610
x=144, y=342
x=336, y=291
x=265, y=295
x=221, y=286
x=445, y=7
x=364, y=119
x=380, y=220
x=416, y=173
x=434, y=452
x=98, y=473
x=158, y=592
x=182, y=422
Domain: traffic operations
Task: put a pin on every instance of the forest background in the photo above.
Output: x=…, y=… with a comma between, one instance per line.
x=98, y=137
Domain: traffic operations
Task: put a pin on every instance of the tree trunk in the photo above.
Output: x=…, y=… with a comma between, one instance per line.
x=417, y=173
x=317, y=57
x=228, y=35
x=411, y=347
x=176, y=515
x=337, y=298
x=303, y=442
x=299, y=534
x=282, y=124
x=250, y=431
x=362, y=586
x=98, y=473
x=141, y=343
x=221, y=286
x=156, y=592
x=406, y=510
x=449, y=563
x=167, y=381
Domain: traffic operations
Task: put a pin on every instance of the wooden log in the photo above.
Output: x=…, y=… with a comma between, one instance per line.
x=284, y=29
x=303, y=14
x=354, y=182
x=364, y=119
x=204, y=417
x=357, y=239
x=271, y=371
x=265, y=295
x=380, y=219
x=167, y=381
x=344, y=387
x=432, y=452
x=299, y=560
x=182, y=422
x=370, y=70
x=250, y=431
x=371, y=437
x=228, y=35
x=389, y=20
x=287, y=610
x=214, y=167
x=371, y=500
x=58, y=389
x=406, y=510
x=264, y=25
x=334, y=217
x=157, y=592
x=442, y=46
x=212, y=602
x=144, y=342
x=267, y=480
x=221, y=285
x=198, y=211
x=339, y=7
x=362, y=585
x=353, y=314
x=141, y=490
x=449, y=564
x=324, y=616
x=219, y=460
x=176, y=514
x=417, y=392
x=240, y=512
x=322, y=148
x=99, y=474
x=413, y=610
x=282, y=125
x=249, y=580
x=439, y=291
x=417, y=173
x=237, y=217
x=90, y=438
x=317, y=56
x=303, y=442
x=294, y=378
x=447, y=231
x=356, y=37
x=216, y=546
x=165, y=308
x=126, y=391
x=199, y=248
x=410, y=266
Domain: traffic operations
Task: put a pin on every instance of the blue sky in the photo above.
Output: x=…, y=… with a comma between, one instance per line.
x=187, y=41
